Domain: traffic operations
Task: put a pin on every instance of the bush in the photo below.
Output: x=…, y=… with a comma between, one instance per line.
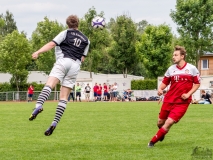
x=147, y=84
x=5, y=87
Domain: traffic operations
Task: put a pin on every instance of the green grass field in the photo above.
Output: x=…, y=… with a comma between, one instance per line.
x=101, y=131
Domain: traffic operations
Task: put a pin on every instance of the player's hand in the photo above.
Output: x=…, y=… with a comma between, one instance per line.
x=82, y=59
x=35, y=55
x=160, y=92
x=185, y=96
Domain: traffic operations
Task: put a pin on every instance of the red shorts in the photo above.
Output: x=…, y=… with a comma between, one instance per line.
x=174, y=111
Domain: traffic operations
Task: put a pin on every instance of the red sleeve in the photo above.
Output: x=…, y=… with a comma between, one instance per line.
x=166, y=80
x=196, y=79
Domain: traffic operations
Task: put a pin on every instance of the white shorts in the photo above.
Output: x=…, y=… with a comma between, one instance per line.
x=66, y=70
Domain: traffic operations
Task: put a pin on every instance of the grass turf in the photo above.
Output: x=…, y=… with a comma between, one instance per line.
x=100, y=131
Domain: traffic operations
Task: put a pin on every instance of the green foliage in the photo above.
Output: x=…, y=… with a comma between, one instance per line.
x=155, y=48
x=5, y=87
x=46, y=30
x=124, y=34
x=195, y=24
x=19, y=78
x=15, y=56
x=2, y=23
x=147, y=84
x=141, y=26
x=7, y=24
x=110, y=23
x=139, y=70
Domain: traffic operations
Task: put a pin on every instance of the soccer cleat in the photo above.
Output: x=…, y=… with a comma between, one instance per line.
x=50, y=130
x=162, y=138
x=35, y=113
x=150, y=144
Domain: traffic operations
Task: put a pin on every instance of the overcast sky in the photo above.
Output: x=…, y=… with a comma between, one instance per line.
x=27, y=13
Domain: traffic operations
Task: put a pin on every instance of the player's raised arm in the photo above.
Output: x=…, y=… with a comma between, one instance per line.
x=43, y=49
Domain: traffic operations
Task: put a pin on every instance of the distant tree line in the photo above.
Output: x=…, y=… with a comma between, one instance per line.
x=124, y=46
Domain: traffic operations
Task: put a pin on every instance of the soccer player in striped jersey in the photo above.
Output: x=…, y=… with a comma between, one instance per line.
x=71, y=46
x=184, y=80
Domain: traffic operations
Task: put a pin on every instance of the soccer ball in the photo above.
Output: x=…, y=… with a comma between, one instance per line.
x=98, y=22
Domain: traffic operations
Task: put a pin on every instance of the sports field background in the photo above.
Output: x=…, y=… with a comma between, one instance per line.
x=101, y=130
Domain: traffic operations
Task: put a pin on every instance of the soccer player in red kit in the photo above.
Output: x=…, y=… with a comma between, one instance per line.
x=184, y=80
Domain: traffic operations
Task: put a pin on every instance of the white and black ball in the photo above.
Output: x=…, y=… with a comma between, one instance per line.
x=98, y=22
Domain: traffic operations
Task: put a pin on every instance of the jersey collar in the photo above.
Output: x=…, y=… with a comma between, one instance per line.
x=180, y=68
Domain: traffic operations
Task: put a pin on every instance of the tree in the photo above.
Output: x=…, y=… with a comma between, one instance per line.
x=195, y=24
x=155, y=49
x=124, y=34
x=139, y=70
x=141, y=26
x=14, y=57
x=99, y=43
x=1, y=25
x=1, y=22
x=110, y=23
x=9, y=24
x=46, y=30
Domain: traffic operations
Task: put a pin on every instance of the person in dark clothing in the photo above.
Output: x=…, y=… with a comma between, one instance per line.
x=206, y=98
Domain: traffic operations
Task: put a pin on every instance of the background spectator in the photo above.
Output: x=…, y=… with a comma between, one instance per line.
x=30, y=93
x=99, y=91
x=71, y=95
x=115, y=92
x=78, y=92
x=206, y=98
x=127, y=95
x=105, y=88
x=110, y=92
x=95, y=90
x=87, y=92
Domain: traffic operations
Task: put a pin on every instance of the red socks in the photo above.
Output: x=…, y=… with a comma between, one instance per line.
x=161, y=133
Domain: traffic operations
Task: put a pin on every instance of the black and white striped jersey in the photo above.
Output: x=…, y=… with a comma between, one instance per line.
x=71, y=43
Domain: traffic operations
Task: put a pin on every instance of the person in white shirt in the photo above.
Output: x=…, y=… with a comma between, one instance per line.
x=87, y=92
x=115, y=92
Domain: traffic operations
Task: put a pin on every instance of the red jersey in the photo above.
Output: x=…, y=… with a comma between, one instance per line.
x=105, y=88
x=95, y=89
x=181, y=81
x=30, y=90
x=99, y=91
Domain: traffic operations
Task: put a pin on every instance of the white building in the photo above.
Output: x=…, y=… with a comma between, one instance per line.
x=83, y=78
